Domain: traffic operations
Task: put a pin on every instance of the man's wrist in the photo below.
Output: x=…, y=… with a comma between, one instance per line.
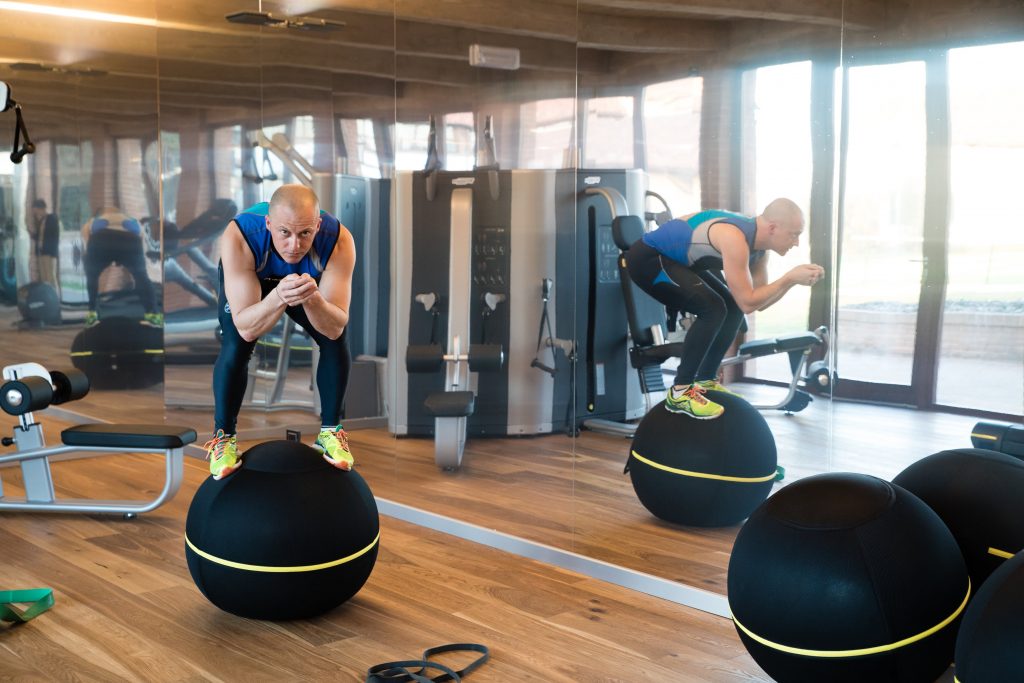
x=280, y=296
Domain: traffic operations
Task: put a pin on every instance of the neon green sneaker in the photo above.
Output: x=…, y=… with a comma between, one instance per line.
x=91, y=318
x=715, y=385
x=154, y=319
x=222, y=452
x=333, y=443
x=690, y=401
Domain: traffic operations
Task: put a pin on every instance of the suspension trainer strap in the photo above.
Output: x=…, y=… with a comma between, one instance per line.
x=400, y=671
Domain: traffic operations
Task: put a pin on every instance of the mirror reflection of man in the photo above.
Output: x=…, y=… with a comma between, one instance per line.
x=677, y=264
x=112, y=237
x=283, y=257
x=44, y=228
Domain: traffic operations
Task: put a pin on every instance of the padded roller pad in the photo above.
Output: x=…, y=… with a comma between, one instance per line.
x=759, y=347
x=797, y=341
x=789, y=342
x=450, y=403
x=128, y=436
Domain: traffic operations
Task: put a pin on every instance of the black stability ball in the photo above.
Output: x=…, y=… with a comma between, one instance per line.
x=846, y=577
x=703, y=472
x=39, y=304
x=120, y=353
x=287, y=536
x=988, y=648
x=979, y=494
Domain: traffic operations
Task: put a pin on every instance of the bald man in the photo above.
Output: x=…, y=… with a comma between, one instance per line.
x=677, y=264
x=285, y=257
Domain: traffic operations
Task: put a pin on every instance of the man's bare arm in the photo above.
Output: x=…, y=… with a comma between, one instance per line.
x=252, y=316
x=327, y=308
x=749, y=296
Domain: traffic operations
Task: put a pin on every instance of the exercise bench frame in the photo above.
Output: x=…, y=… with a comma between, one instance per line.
x=34, y=456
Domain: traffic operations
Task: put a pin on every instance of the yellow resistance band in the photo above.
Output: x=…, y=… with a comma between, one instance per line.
x=1000, y=553
x=862, y=651
x=701, y=475
x=283, y=570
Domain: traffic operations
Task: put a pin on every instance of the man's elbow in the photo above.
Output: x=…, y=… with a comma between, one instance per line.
x=748, y=307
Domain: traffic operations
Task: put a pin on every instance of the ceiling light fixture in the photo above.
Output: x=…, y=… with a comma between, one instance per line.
x=37, y=67
x=491, y=57
x=297, y=23
x=69, y=13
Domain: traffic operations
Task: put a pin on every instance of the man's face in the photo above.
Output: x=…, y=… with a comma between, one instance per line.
x=293, y=231
x=38, y=213
x=786, y=236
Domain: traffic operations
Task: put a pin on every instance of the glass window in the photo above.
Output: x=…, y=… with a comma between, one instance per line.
x=459, y=141
x=360, y=147
x=227, y=164
x=672, y=138
x=546, y=138
x=777, y=162
x=983, y=322
x=411, y=145
x=73, y=207
x=608, y=126
x=270, y=166
x=167, y=168
x=131, y=190
x=882, y=223
x=73, y=183
x=304, y=137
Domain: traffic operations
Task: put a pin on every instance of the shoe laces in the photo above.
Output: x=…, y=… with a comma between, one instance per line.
x=695, y=392
x=218, y=443
x=340, y=434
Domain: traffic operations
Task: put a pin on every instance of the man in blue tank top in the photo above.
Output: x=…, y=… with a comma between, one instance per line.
x=110, y=237
x=677, y=264
x=285, y=257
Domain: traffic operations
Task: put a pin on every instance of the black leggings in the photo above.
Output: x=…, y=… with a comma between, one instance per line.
x=718, y=318
x=109, y=246
x=231, y=372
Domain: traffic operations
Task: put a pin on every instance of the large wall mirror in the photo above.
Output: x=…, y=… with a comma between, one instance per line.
x=483, y=155
x=80, y=217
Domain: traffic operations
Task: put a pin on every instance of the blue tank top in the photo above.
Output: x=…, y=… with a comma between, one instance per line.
x=269, y=264
x=115, y=221
x=687, y=241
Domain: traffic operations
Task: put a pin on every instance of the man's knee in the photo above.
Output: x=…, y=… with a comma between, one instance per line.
x=707, y=305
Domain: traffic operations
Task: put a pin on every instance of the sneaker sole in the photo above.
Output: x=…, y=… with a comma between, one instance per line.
x=695, y=417
x=343, y=465
x=226, y=471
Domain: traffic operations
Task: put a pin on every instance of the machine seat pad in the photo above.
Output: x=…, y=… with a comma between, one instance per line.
x=642, y=356
x=450, y=403
x=128, y=436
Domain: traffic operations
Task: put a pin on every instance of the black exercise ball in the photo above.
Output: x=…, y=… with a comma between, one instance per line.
x=988, y=649
x=703, y=472
x=120, y=353
x=846, y=577
x=287, y=536
x=979, y=494
x=39, y=304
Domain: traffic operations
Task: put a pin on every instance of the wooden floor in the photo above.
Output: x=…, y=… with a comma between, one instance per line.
x=126, y=608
